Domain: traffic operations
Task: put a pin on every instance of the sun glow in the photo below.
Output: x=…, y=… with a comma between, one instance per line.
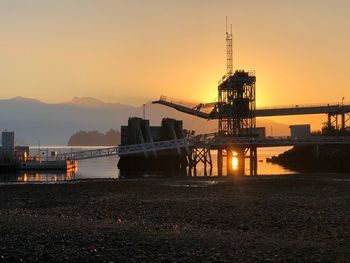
x=234, y=161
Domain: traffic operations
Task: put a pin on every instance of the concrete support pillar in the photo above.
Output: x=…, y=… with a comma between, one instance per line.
x=256, y=161
x=343, y=121
x=220, y=162
x=241, y=162
x=194, y=165
x=229, y=156
x=336, y=122
x=253, y=161
x=210, y=163
x=190, y=166
x=205, y=162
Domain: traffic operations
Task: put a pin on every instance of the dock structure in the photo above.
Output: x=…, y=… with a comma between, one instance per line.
x=199, y=144
x=237, y=135
x=17, y=158
x=198, y=151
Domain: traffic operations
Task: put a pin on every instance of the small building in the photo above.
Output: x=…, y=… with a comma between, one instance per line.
x=22, y=153
x=300, y=131
x=7, y=153
x=259, y=132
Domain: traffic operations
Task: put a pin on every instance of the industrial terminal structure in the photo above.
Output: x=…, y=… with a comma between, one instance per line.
x=236, y=114
x=237, y=138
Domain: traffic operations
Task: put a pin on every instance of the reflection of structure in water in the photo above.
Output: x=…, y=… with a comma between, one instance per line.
x=38, y=176
x=45, y=176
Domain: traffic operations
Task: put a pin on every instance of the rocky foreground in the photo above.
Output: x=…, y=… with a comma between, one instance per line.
x=290, y=218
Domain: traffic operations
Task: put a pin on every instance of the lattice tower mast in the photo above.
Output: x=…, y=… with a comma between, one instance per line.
x=229, y=49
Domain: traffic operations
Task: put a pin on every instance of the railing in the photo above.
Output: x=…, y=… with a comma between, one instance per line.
x=275, y=141
x=179, y=102
x=200, y=106
x=128, y=150
x=250, y=73
x=203, y=140
x=193, y=109
x=89, y=154
x=154, y=147
x=43, y=158
x=311, y=105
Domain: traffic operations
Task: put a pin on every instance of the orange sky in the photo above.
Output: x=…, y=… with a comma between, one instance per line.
x=133, y=51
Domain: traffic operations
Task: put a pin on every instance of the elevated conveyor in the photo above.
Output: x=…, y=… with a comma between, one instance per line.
x=302, y=110
x=183, y=107
x=198, y=110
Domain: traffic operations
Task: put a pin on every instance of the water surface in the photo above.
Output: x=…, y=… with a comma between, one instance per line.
x=106, y=167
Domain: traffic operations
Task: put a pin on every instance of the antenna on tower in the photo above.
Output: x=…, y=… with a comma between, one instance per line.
x=229, y=49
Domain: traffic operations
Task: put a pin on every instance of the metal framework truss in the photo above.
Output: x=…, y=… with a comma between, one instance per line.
x=236, y=101
x=203, y=156
x=338, y=121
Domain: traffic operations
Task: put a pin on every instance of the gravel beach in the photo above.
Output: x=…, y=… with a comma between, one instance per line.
x=297, y=218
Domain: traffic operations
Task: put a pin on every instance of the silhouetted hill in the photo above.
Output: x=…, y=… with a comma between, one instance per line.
x=95, y=138
x=53, y=124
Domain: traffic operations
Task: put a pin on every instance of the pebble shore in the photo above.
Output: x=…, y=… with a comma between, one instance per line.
x=297, y=218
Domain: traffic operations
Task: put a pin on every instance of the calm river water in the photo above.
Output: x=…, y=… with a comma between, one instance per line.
x=107, y=167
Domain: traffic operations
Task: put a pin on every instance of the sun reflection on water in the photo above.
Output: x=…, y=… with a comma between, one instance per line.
x=234, y=161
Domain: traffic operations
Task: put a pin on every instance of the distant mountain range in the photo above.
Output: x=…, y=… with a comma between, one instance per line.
x=53, y=124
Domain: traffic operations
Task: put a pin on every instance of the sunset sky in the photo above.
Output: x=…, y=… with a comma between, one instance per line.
x=133, y=51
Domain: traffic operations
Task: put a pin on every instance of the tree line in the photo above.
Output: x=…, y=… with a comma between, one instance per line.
x=95, y=138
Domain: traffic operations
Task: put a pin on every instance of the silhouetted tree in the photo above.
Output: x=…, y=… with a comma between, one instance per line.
x=95, y=138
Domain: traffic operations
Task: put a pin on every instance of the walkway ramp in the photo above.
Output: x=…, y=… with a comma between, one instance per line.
x=154, y=147
x=89, y=154
x=128, y=150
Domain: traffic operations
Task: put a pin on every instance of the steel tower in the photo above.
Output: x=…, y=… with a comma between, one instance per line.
x=236, y=97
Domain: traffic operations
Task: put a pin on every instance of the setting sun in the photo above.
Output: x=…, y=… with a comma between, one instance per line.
x=235, y=162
